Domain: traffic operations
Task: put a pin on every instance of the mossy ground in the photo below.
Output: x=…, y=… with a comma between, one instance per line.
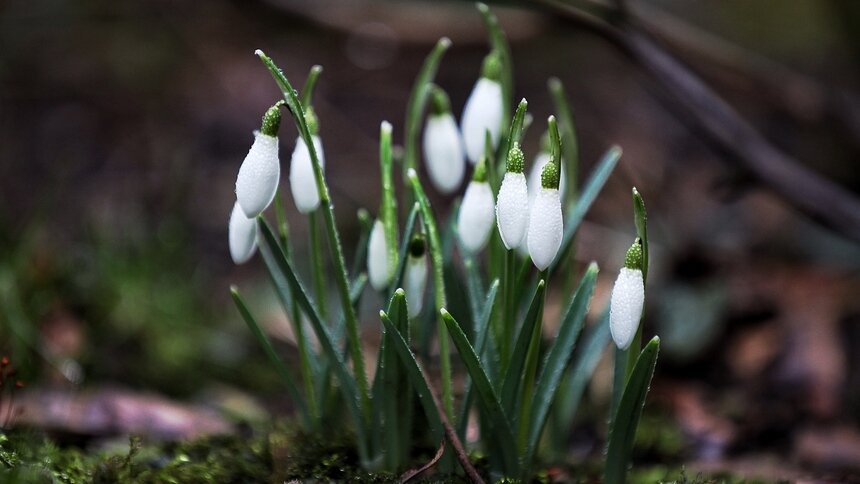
x=277, y=455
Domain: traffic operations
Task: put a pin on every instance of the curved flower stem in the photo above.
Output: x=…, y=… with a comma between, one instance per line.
x=317, y=265
x=335, y=248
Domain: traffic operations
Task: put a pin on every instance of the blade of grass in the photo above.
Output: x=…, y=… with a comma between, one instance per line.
x=438, y=263
x=354, y=343
x=272, y=355
x=359, y=259
x=492, y=407
x=388, y=214
x=569, y=142
x=514, y=370
x=623, y=431
x=351, y=392
x=589, y=194
x=394, y=393
x=557, y=359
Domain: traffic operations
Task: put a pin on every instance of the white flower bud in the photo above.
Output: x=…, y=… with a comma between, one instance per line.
x=545, y=227
x=512, y=209
x=258, y=176
x=483, y=111
x=415, y=281
x=475, y=220
x=534, y=177
x=242, y=235
x=303, y=184
x=625, y=306
x=443, y=152
x=378, y=266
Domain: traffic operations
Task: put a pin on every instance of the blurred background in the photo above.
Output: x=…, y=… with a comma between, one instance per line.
x=123, y=124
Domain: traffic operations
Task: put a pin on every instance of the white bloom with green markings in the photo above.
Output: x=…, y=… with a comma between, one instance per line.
x=512, y=204
x=378, y=266
x=443, y=148
x=475, y=220
x=242, y=235
x=628, y=298
x=260, y=172
x=546, y=227
x=483, y=110
x=415, y=277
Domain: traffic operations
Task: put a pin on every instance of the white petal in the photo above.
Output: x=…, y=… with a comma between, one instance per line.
x=534, y=177
x=545, y=227
x=512, y=209
x=378, y=269
x=242, y=235
x=483, y=111
x=443, y=152
x=625, y=306
x=302, y=181
x=415, y=281
x=475, y=220
x=258, y=176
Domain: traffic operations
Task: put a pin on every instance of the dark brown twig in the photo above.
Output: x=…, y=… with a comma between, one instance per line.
x=816, y=196
x=413, y=473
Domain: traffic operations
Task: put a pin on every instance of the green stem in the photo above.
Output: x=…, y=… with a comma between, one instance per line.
x=310, y=84
x=529, y=372
x=509, y=318
x=335, y=248
x=389, y=202
x=435, y=247
x=317, y=265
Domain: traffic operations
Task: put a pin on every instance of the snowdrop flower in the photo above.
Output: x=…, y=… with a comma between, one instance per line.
x=545, y=222
x=628, y=298
x=475, y=220
x=512, y=205
x=483, y=110
x=415, y=278
x=303, y=183
x=242, y=235
x=443, y=149
x=258, y=176
x=379, y=268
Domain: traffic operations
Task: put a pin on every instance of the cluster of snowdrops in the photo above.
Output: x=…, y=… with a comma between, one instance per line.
x=503, y=220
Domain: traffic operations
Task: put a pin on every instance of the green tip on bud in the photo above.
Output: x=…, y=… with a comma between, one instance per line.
x=272, y=120
x=400, y=292
x=480, y=174
x=516, y=159
x=492, y=68
x=550, y=176
x=633, y=259
x=417, y=246
x=312, y=121
x=439, y=102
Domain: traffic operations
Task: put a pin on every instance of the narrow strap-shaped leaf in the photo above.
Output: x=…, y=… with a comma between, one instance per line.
x=394, y=392
x=589, y=194
x=388, y=213
x=280, y=367
x=489, y=400
x=476, y=290
x=418, y=101
x=569, y=143
x=623, y=431
x=359, y=261
x=482, y=330
x=557, y=359
x=416, y=377
x=513, y=373
x=347, y=382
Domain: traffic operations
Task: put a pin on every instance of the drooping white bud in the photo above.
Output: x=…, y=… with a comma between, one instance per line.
x=258, y=176
x=482, y=113
x=242, y=235
x=545, y=227
x=625, y=306
x=378, y=266
x=303, y=184
x=475, y=220
x=512, y=205
x=415, y=278
x=534, y=177
x=443, y=151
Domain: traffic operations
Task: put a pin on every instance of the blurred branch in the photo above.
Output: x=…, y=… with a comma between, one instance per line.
x=812, y=194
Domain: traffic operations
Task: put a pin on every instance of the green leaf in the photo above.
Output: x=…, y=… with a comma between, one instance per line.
x=482, y=330
x=347, y=383
x=416, y=376
x=640, y=217
x=569, y=143
x=514, y=372
x=280, y=367
x=394, y=392
x=558, y=358
x=418, y=101
x=489, y=400
x=623, y=431
x=359, y=260
x=389, y=201
x=589, y=194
